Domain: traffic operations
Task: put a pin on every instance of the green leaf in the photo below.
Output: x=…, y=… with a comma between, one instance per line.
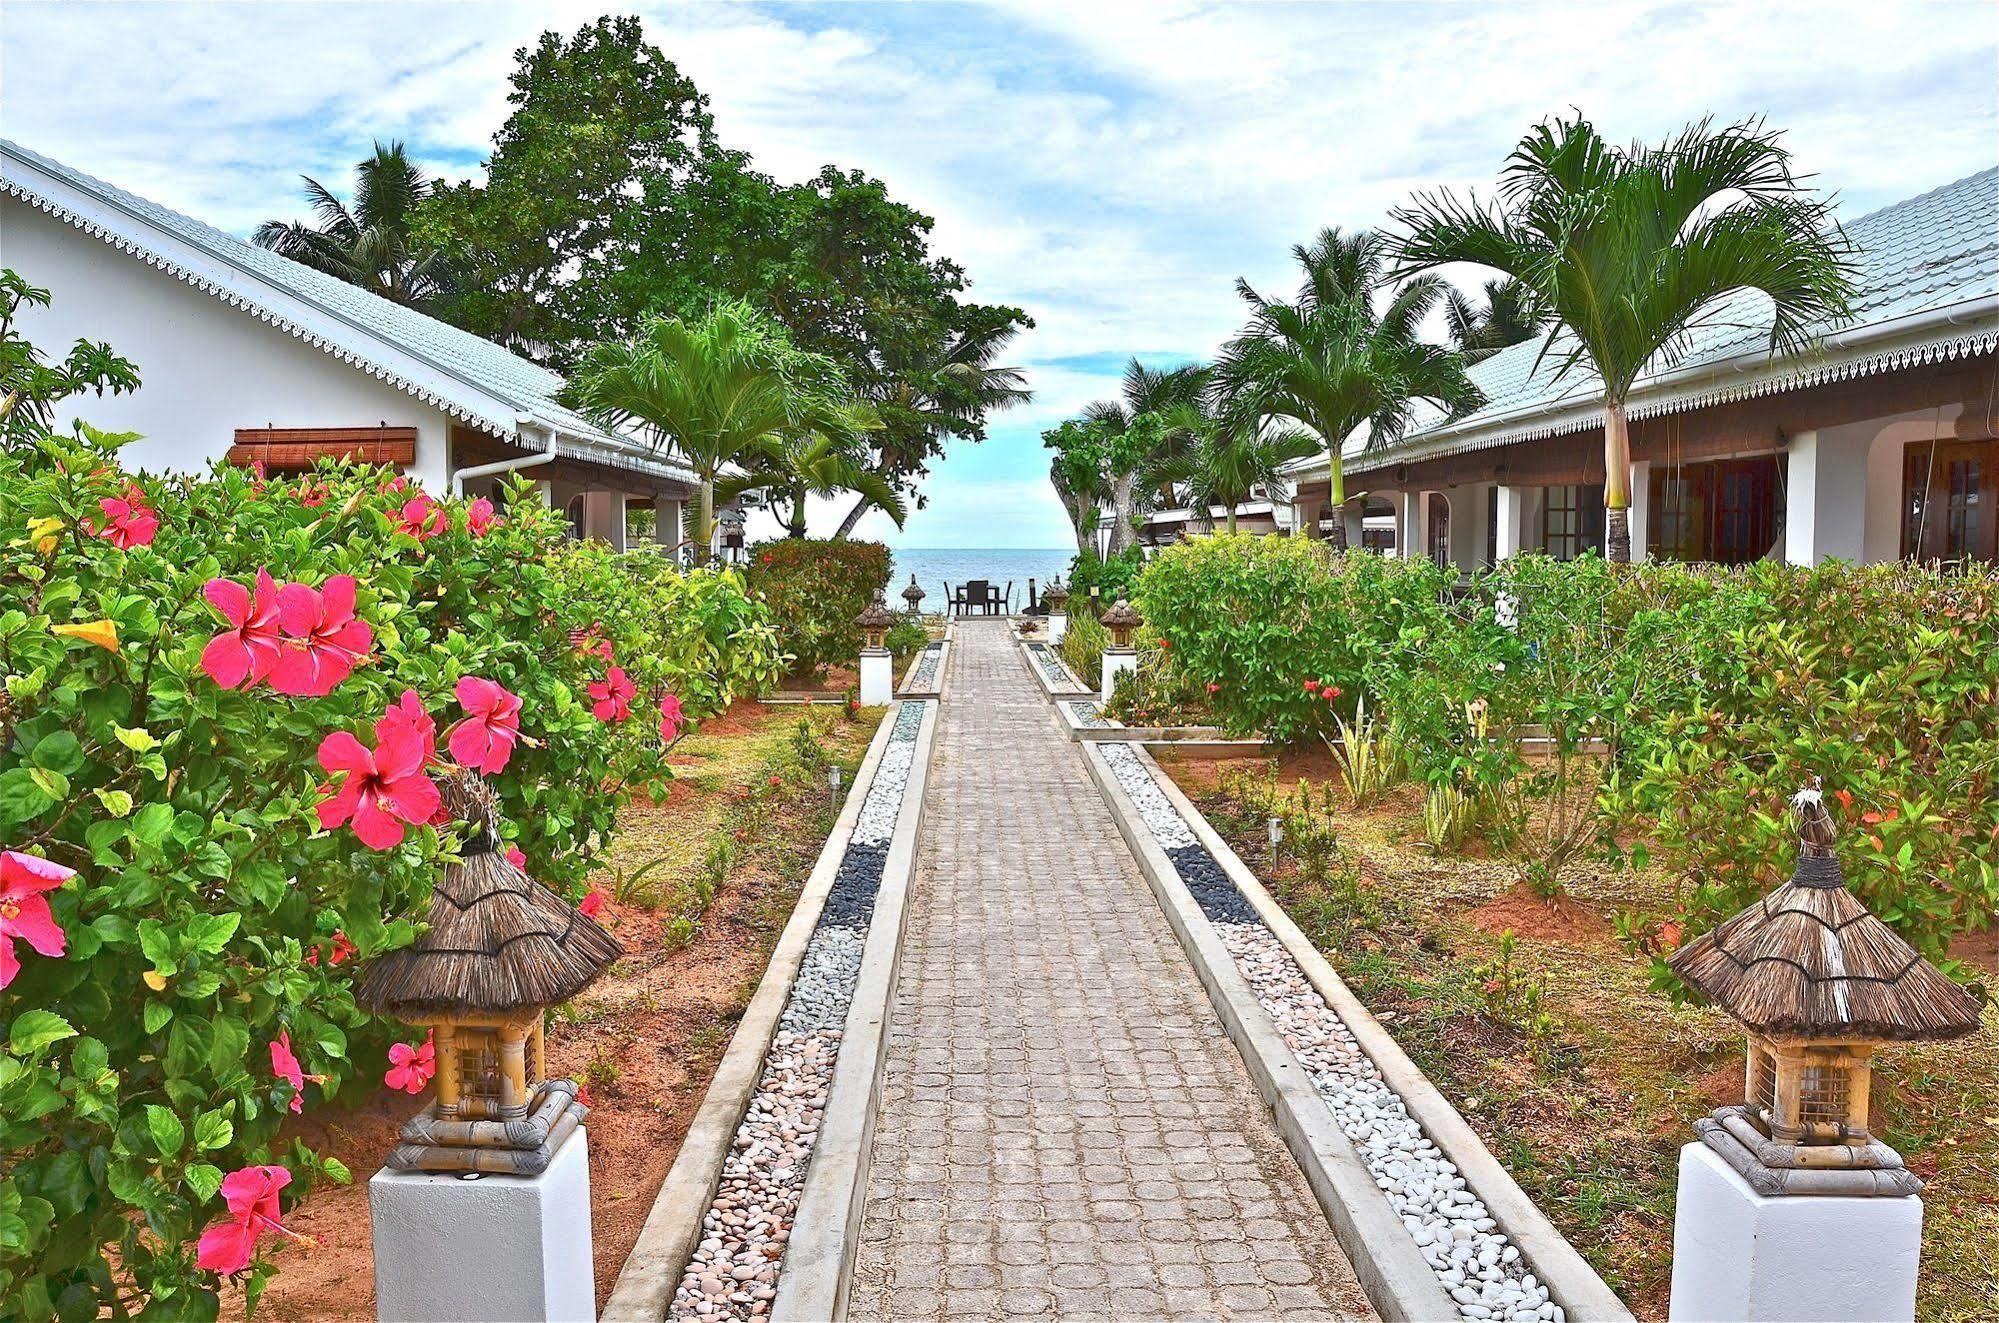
x=204, y=1179
x=337, y=1169
x=136, y=738
x=156, y=1015
x=211, y=932
x=34, y=1030
x=166, y=1128
x=117, y=803
x=51, y=783
x=153, y=823
x=58, y=751
x=212, y=1130
x=22, y=796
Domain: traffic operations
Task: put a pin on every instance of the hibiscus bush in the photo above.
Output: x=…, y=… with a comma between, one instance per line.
x=226, y=700
x=815, y=591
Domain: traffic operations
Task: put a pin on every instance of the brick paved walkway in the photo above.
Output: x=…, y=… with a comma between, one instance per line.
x=1065, y=1127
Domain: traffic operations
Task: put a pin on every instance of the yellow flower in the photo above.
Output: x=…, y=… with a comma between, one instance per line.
x=44, y=531
x=155, y=980
x=104, y=633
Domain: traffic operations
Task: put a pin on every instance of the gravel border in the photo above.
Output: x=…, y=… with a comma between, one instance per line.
x=1474, y=1260
x=733, y=1272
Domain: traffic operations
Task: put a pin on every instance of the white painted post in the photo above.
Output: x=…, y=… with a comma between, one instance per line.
x=1760, y=1258
x=1058, y=625
x=1641, y=508
x=1355, y=518
x=877, y=677
x=1116, y=662
x=1512, y=515
x=448, y=1247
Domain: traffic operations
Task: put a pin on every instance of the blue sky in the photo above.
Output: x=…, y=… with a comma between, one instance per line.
x=1109, y=167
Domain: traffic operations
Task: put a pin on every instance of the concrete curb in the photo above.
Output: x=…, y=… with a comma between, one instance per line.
x=1393, y=1272
x=1571, y=1282
x=1049, y=690
x=645, y=1285
x=909, y=689
x=817, y=1270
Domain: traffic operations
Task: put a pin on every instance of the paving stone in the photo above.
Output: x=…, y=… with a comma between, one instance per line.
x=1054, y=1063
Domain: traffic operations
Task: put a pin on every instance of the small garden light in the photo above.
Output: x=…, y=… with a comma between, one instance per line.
x=833, y=783
x=1275, y=827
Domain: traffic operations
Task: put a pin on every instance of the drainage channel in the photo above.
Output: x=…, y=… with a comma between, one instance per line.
x=733, y=1273
x=1474, y=1261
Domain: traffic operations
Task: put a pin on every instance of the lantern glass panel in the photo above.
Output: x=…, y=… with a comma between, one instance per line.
x=1823, y=1095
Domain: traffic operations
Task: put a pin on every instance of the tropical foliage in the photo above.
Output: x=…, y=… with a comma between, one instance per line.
x=816, y=590
x=369, y=244
x=1509, y=316
x=1631, y=250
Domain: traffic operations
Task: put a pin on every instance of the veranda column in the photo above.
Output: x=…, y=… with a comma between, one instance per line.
x=1641, y=508
x=877, y=667
x=1512, y=519
x=1789, y=1207
x=1354, y=515
x=1120, y=657
x=1408, y=525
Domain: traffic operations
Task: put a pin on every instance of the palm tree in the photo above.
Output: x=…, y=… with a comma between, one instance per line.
x=1509, y=316
x=959, y=390
x=1632, y=250
x=370, y=244
x=726, y=387
x=1237, y=454
x=819, y=464
x=1328, y=361
x=1149, y=434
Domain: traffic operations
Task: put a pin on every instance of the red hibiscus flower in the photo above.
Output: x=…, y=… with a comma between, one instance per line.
x=383, y=788
x=249, y=649
x=484, y=740
x=671, y=718
x=324, y=642
x=312, y=493
x=421, y=518
x=583, y=1095
x=252, y=1196
x=593, y=903
x=128, y=521
x=613, y=695
x=1214, y=688
x=24, y=914
x=1311, y=686
x=410, y=1067
x=342, y=950
x=479, y=517
x=588, y=643
x=517, y=858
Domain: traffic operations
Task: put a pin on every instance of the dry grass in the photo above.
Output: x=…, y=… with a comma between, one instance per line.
x=1589, y=1109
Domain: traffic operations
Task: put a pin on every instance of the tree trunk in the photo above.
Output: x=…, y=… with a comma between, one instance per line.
x=846, y=528
x=1122, y=532
x=1231, y=519
x=795, y=527
x=704, y=519
x=1616, y=483
x=1336, y=501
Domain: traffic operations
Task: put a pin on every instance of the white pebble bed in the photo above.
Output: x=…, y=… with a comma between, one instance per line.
x=734, y=1269
x=1482, y=1271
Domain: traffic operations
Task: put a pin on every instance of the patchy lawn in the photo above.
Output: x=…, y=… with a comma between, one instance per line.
x=1580, y=1078
x=697, y=888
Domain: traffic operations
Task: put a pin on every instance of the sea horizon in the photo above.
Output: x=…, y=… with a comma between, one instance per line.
x=936, y=567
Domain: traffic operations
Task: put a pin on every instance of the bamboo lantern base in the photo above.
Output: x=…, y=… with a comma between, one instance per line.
x=440, y=1142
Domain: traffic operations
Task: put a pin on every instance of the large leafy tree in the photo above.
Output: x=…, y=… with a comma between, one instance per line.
x=1330, y=361
x=371, y=243
x=722, y=389
x=1148, y=435
x=1631, y=250
x=819, y=463
x=1079, y=472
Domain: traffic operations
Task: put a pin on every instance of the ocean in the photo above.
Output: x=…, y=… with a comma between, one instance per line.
x=936, y=566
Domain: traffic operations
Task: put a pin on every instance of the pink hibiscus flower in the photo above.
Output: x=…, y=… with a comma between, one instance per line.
x=421, y=518
x=249, y=649
x=516, y=858
x=479, y=517
x=312, y=493
x=24, y=914
x=406, y=714
x=384, y=788
x=128, y=521
x=323, y=641
x=252, y=1196
x=286, y=1067
x=613, y=695
x=484, y=740
x=410, y=1068
x=593, y=904
x=671, y=718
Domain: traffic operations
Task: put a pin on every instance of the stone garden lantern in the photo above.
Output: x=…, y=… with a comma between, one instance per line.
x=914, y=596
x=877, y=671
x=499, y=949
x=1056, y=598
x=1122, y=622
x=1820, y=984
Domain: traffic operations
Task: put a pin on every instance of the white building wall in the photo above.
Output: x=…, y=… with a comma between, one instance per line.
x=205, y=368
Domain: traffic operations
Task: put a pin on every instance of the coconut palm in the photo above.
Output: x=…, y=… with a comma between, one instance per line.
x=1509, y=316
x=1237, y=455
x=1631, y=250
x=823, y=464
x=724, y=388
x=1148, y=435
x=369, y=244
x=1328, y=361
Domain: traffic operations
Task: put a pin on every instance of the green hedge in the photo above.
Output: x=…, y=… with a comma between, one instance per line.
x=815, y=591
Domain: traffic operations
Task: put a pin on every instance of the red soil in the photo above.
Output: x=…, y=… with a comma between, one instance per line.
x=1556, y=919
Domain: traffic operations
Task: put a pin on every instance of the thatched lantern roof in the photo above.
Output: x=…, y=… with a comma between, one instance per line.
x=498, y=942
x=1811, y=961
x=875, y=622
x=1122, y=621
x=1055, y=596
x=913, y=595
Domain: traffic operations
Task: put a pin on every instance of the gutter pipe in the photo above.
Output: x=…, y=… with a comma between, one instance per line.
x=544, y=456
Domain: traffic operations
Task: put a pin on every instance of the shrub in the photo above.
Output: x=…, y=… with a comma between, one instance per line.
x=1113, y=578
x=815, y=591
x=1084, y=639
x=223, y=892
x=907, y=638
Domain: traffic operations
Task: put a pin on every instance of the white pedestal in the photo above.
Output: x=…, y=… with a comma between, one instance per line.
x=500, y=1247
x=1749, y=1258
x=1116, y=662
x=877, y=677
x=1058, y=625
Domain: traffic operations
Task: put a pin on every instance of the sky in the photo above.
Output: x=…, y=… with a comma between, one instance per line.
x=1111, y=168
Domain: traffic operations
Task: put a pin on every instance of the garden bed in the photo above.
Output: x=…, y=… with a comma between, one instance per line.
x=645, y=1040
x=1581, y=1079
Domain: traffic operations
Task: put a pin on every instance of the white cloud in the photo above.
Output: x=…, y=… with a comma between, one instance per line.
x=1109, y=167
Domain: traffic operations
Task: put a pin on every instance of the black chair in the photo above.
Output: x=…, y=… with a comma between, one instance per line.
x=1002, y=604
x=977, y=597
